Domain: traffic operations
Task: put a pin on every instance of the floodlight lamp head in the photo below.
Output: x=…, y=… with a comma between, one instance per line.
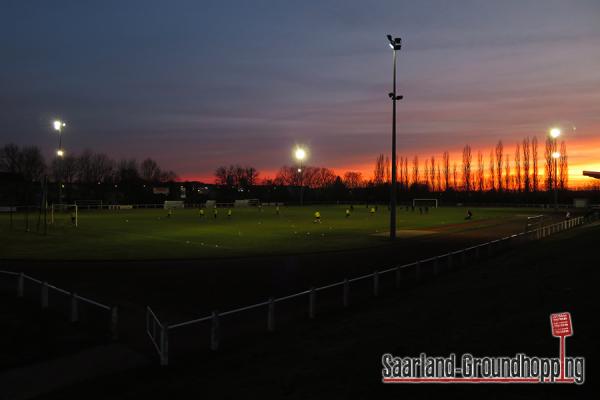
x=555, y=132
x=60, y=153
x=300, y=154
x=556, y=155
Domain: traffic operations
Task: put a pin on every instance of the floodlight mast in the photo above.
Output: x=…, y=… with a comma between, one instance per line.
x=395, y=45
x=300, y=155
x=58, y=125
x=554, y=134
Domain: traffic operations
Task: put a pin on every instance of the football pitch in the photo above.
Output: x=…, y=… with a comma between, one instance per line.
x=151, y=234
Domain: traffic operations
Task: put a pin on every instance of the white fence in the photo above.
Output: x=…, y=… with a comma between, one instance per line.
x=74, y=300
x=159, y=332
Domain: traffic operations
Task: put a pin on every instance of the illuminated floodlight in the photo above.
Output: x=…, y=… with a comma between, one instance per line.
x=555, y=132
x=58, y=125
x=60, y=152
x=300, y=154
x=556, y=154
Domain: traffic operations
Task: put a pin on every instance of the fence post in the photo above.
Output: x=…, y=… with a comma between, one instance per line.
x=44, y=295
x=214, y=331
x=21, y=285
x=114, y=323
x=74, y=308
x=164, y=345
x=398, y=277
x=346, y=293
x=271, y=315
x=376, y=283
x=312, y=299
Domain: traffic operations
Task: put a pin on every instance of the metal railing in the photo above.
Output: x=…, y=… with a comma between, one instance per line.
x=432, y=266
x=74, y=300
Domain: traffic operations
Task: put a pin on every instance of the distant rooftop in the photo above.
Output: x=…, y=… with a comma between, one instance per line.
x=592, y=174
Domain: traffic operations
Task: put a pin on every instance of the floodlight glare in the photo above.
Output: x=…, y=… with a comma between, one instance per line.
x=555, y=132
x=57, y=125
x=556, y=155
x=60, y=153
x=300, y=154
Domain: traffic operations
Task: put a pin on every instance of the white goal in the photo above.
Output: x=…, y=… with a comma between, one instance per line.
x=61, y=213
x=425, y=203
x=246, y=203
x=171, y=204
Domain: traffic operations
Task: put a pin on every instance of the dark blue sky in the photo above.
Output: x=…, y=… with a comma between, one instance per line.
x=195, y=84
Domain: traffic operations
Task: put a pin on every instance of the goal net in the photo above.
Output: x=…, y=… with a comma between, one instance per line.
x=89, y=204
x=433, y=203
x=64, y=214
x=246, y=203
x=172, y=204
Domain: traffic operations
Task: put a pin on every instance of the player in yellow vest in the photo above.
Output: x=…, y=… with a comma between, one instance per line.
x=372, y=210
x=317, y=217
x=229, y=213
x=215, y=212
x=347, y=212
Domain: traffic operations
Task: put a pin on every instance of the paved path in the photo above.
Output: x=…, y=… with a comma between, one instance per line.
x=37, y=379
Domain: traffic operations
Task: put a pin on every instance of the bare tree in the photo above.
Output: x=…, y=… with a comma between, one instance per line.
x=400, y=171
x=492, y=171
x=149, y=170
x=426, y=173
x=406, y=177
x=480, y=171
x=439, y=178
x=518, y=168
x=353, y=179
x=526, y=166
x=387, y=177
x=499, y=160
x=64, y=169
x=455, y=175
x=379, y=172
x=534, y=161
x=564, y=167
x=507, y=182
x=415, y=170
x=432, y=173
x=10, y=155
x=222, y=176
x=466, y=167
x=251, y=174
x=549, y=163
x=127, y=171
x=446, y=169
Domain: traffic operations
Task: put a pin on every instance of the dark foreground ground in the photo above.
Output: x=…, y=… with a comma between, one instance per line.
x=498, y=307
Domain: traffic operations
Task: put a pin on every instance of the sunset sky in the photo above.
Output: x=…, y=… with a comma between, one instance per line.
x=198, y=84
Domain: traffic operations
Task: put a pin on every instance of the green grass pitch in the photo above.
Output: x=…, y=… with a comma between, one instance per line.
x=149, y=233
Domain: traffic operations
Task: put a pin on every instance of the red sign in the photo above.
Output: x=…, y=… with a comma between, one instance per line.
x=561, y=324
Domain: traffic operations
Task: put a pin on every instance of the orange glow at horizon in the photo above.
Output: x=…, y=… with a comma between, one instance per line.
x=583, y=155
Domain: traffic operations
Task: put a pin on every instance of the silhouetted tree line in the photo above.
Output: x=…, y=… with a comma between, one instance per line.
x=520, y=175
x=88, y=174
